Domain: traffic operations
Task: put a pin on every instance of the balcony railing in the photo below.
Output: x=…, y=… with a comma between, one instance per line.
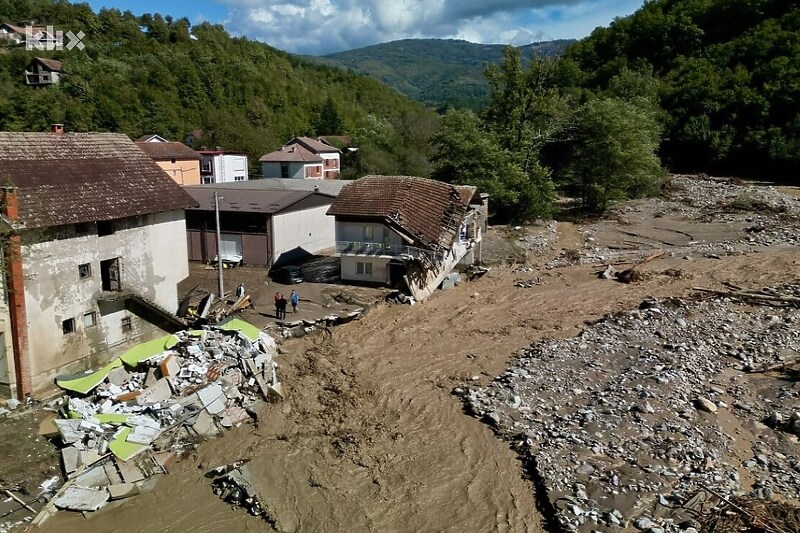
x=379, y=248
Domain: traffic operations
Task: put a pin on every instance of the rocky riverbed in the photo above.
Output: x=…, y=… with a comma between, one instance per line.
x=625, y=424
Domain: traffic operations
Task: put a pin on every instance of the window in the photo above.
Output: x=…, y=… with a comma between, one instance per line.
x=238, y=178
x=208, y=179
x=105, y=227
x=205, y=166
x=89, y=319
x=364, y=269
x=125, y=325
x=110, y=274
x=85, y=271
x=284, y=170
x=68, y=326
x=368, y=233
x=172, y=161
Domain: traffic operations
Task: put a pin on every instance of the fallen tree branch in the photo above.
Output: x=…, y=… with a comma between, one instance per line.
x=766, y=299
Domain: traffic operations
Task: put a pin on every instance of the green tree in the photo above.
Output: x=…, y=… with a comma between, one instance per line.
x=468, y=154
x=614, y=153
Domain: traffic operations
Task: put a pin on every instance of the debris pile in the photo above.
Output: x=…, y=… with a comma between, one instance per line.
x=624, y=423
x=127, y=421
x=233, y=484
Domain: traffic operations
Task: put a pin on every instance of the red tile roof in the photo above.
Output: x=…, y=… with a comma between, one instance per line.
x=291, y=153
x=428, y=212
x=84, y=177
x=163, y=151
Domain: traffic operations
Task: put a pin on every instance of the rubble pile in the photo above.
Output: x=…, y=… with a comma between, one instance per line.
x=624, y=423
x=125, y=422
x=766, y=217
x=233, y=484
x=538, y=240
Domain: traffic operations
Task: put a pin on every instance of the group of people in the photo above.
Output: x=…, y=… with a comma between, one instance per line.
x=281, y=303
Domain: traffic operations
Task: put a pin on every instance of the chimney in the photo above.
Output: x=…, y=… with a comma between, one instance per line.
x=56, y=129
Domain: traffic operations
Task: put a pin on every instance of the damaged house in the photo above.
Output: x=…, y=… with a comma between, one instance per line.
x=407, y=232
x=94, y=244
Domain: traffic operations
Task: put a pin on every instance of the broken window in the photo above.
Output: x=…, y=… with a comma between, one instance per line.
x=125, y=325
x=110, y=274
x=105, y=227
x=85, y=271
x=89, y=319
x=68, y=326
x=368, y=233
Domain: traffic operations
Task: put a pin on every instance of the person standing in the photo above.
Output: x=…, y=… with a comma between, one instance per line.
x=240, y=291
x=277, y=305
x=294, y=299
x=282, y=308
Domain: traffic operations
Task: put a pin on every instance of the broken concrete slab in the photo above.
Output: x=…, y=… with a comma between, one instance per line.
x=213, y=398
x=69, y=431
x=159, y=392
x=129, y=471
x=204, y=426
x=142, y=435
x=118, y=376
x=257, y=410
x=122, y=490
x=82, y=499
x=233, y=416
x=70, y=459
x=275, y=392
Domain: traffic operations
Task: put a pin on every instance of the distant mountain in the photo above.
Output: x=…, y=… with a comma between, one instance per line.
x=435, y=71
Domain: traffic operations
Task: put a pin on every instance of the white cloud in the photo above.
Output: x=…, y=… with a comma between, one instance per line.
x=324, y=26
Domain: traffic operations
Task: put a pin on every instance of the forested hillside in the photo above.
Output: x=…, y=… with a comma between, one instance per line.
x=154, y=74
x=729, y=79
x=438, y=72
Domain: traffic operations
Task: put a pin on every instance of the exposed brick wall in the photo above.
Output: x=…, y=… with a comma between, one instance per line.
x=16, y=299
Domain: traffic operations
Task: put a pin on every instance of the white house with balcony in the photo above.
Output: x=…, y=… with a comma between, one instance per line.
x=219, y=166
x=303, y=158
x=406, y=232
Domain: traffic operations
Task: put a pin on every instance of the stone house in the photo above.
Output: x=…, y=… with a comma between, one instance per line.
x=94, y=245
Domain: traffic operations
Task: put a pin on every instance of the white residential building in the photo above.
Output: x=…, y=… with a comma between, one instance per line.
x=218, y=166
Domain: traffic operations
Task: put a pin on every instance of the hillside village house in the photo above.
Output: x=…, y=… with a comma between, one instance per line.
x=407, y=232
x=262, y=222
x=16, y=34
x=303, y=158
x=179, y=161
x=94, y=247
x=219, y=166
x=43, y=72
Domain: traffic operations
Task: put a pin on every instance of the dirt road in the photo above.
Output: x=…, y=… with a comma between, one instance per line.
x=370, y=437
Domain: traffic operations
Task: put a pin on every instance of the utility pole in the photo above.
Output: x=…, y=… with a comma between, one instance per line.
x=219, y=247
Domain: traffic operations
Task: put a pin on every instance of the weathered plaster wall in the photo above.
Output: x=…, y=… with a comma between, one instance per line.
x=309, y=229
x=273, y=170
x=153, y=260
x=380, y=268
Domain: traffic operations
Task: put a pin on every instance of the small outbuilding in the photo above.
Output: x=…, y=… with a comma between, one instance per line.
x=259, y=226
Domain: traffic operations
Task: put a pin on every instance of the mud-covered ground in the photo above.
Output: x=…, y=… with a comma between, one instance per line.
x=371, y=436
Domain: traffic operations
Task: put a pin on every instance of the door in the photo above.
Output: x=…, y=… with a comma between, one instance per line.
x=110, y=274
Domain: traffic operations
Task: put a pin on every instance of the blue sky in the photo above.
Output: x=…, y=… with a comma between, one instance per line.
x=325, y=26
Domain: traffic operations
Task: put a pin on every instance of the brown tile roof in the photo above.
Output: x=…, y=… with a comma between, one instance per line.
x=84, y=177
x=314, y=145
x=149, y=137
x=51, y=64
x=291, y=153
x=428, y=212
x=162, y=151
